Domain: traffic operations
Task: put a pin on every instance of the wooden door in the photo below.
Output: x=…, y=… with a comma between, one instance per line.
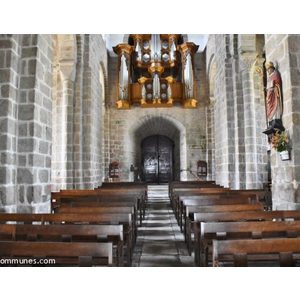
x=157, y=159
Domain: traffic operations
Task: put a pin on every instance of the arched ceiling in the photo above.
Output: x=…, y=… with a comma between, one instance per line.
x=115, y=39
x=153, y=125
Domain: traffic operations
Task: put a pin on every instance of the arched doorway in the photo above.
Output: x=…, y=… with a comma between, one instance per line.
x=157, y=159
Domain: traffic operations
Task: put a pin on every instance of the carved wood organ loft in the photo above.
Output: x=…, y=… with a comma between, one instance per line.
x=156, y=70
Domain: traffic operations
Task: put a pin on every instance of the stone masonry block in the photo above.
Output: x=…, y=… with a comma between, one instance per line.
x=24, y=176
x=26, y=112
x=29, y=52
x=7, y=126
x=32, y=67
x=44, y=147
x=8, y=158
x=27, y=82
x=4, y=75
x=2, y=59
x=4, y=173
x=22, y=160
x=36, y=160
x=5, y=43
x=26, y=145
x=43, y=176
x=5, y=91
x=6, y=108
x=23, y=130
x=35, y=130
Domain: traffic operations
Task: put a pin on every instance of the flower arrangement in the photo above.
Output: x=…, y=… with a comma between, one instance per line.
x=280, y=141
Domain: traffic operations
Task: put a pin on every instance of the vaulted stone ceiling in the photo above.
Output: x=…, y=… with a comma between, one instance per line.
x=153, y=125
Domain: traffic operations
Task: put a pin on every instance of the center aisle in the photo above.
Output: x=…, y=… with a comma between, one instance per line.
x=160, y=242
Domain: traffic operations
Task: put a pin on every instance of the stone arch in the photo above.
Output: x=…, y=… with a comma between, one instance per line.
x=246, y=43
x=67, y=44
x=104, y=82
x=212, y=71
x=164, y=125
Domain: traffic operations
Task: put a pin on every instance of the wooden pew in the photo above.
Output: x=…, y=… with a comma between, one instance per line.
x=237, y=216
x=124, y=219
x=104, y=210
x=182, y=184
x=191, y=211
x=68, y=196
x=209, y=201
x=243, y=230
x=137, y=186
x=131, y=234
x=176, y=190
x=140, y=188
x=260, y=195
x=67, y=233
x=283, y=251
x=7, y=232
x=194, y=192
x=74, y=233
x=63, y=253
x=95, y=201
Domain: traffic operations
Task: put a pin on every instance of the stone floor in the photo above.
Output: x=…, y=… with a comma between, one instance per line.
x=160, y=242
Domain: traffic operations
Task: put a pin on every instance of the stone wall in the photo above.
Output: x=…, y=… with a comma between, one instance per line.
x=26, y=111
x=78, y=106
x=284, y=51
x=51, y=119
x=127, y=128
x=237, y=141
x=59, y=123
x=93, y=126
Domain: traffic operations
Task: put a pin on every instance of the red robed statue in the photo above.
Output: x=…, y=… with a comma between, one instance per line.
x=274, y=105
x=274, y=97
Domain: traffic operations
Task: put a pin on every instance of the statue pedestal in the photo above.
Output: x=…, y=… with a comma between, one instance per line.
x=274, y=125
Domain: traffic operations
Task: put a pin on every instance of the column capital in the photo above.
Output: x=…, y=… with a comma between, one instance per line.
x=67, y=70
x=248, y=59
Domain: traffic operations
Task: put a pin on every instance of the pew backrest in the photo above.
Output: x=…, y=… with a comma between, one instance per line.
x=84, y=254
x=285, y=251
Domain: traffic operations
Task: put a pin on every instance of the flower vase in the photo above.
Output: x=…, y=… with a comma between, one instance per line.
x=285, y=155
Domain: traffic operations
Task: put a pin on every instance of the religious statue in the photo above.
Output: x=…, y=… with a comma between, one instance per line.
x=274, y=105
x=274, y=98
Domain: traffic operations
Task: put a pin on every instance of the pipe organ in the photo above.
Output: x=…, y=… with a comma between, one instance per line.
x=156, y=70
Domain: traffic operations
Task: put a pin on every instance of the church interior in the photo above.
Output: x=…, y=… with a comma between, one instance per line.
x=162, y=161
x=157, y=128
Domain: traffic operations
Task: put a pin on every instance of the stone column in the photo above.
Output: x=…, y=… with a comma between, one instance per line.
x=210, y=134
x=67, y=71
x=78, y=127
x=26, y=88
x=247, y=63
x=9, y=61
